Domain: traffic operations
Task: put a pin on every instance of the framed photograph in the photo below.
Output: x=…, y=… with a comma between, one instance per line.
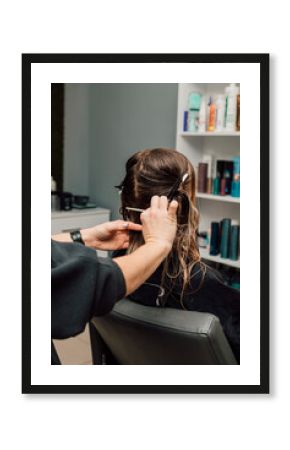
x=107, y=132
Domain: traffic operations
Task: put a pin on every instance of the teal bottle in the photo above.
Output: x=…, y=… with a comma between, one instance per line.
x=234, y=243
x=214, y=239
x=235, y=192
x=216, y=186
x=235, y=188
x=225, y=238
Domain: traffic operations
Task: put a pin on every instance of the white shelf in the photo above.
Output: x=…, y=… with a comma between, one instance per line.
x=228, y=262
x=223, y=145
x=218, y=198
x=210, y=133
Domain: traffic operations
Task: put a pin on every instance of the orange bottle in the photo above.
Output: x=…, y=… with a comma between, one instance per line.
x=211, y=115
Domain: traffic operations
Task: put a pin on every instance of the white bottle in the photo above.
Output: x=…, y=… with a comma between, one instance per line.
x=202, y=117
x=231, y=115
x=53, y=185
x=220, y=112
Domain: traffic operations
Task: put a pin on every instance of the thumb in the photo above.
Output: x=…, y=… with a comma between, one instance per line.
x=172, y=210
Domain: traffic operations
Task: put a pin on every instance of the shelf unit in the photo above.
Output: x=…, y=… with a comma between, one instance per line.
x=209, y=133
x=228, y=262
x=218, y=198
x=220, y=145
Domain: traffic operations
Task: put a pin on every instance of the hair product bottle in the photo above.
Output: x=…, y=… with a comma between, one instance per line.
x=211, y=115
x=215, y=180
x=226, y=105
x=238, y=113
x=202, y=177
x=185, y=121
x=216, y=186
x=225, y=237
x=231, y=117
x=193, y=120
x=194, y=101
x=193, y=114
x=235, y=188
x=223, y=186
x=208, y=160
x=228, y=176
x=53, y=184
x=214, y=238
x=234, y=241
x=202, y=117
x=220, y=112
x=196, y=177
x=224, y=170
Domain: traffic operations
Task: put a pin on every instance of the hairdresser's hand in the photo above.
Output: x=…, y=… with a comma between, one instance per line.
x=110, y=235
x=160, y=223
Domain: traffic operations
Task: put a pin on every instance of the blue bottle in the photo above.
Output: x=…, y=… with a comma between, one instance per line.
x=235, y=188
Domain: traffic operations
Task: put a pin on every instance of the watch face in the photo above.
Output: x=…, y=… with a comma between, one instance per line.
x=76, y=236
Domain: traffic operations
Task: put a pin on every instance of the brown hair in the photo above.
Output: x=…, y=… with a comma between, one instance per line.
x=157, y=172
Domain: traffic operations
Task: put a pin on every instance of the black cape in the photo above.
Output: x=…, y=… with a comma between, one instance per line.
x=207, y=294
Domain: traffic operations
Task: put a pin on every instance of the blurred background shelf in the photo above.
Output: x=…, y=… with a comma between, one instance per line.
x=218, y=198
x=210, y=133
x=228, y=262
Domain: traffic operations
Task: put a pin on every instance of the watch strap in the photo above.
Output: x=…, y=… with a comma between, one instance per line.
x=76, y=236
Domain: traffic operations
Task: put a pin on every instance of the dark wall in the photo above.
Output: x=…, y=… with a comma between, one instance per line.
x=57, y=127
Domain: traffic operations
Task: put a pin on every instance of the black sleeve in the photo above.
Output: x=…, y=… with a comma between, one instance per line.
x=82, y=286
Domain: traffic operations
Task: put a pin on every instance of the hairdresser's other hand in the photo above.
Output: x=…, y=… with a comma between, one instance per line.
x=110, y=235
x=160, y=222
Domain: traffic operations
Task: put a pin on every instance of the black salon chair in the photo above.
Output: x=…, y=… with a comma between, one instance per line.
x=137, y=334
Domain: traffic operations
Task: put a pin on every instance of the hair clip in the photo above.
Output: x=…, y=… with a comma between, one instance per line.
x=176, y=185
x=184, y=178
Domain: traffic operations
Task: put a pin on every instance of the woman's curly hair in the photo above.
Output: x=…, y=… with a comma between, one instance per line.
x=157, y=172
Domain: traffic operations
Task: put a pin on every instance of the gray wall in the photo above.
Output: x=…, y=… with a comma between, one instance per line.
x=126, y=118
x=104, y=125
x=76, y=138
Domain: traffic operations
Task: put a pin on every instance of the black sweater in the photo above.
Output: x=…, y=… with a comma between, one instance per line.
x=82, y=286
x=211, y=295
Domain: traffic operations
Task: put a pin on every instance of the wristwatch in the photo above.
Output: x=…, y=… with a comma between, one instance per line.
x=76, y=236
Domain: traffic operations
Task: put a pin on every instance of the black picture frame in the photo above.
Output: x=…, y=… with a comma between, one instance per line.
x=263, y=61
